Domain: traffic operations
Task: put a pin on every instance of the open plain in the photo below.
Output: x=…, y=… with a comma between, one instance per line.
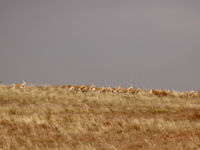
x=54, y=117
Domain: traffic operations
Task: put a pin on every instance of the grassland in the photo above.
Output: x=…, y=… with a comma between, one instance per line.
x=50, y=118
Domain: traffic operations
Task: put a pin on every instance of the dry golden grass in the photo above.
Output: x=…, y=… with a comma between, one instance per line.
x=50, y=118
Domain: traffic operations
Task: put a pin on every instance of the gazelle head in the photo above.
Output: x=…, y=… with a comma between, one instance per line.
x=161, y=89
x=103, y=87
x=93, y=85
x=24, y=82
x=84, y=87
x=109, y=87
x=131, y=87
x=119, y=87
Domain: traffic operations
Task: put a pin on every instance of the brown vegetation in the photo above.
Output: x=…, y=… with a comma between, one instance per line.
x=55, y=117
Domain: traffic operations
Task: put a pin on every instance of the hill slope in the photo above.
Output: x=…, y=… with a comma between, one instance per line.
x=51, y=118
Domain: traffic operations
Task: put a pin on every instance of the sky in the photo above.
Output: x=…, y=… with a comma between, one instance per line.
x=147, y=43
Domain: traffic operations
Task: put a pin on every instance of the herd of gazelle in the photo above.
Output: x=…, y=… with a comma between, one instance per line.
x=131, y=90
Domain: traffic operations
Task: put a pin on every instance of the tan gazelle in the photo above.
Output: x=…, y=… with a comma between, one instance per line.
x=75, y=88
x=84, y=88
x=116, y=90
x=17, y=85
x=103, y=90
x=110, y=89
x=92, y=87
x=154, y=92
x=130, y=88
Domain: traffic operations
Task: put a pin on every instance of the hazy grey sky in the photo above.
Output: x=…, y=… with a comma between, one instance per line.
x=148, y=43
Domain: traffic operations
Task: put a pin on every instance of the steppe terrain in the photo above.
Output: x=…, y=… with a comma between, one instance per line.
x=55, y=118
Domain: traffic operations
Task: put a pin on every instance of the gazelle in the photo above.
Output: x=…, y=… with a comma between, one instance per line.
x=128, y=90
x=110, y=89
x=190, y=94
x=116, y=90
x=74, y=88
x=84, y=88
x=154, y=92
x=123, y=91
x=158, y=93
x=103, y=90
x=131, y=88
x=92, y=87
x=163, y=92
x=17, y=85
x=95, y=89
x=133, y=91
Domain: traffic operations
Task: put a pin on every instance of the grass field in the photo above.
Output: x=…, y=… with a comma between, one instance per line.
x=50, y=118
